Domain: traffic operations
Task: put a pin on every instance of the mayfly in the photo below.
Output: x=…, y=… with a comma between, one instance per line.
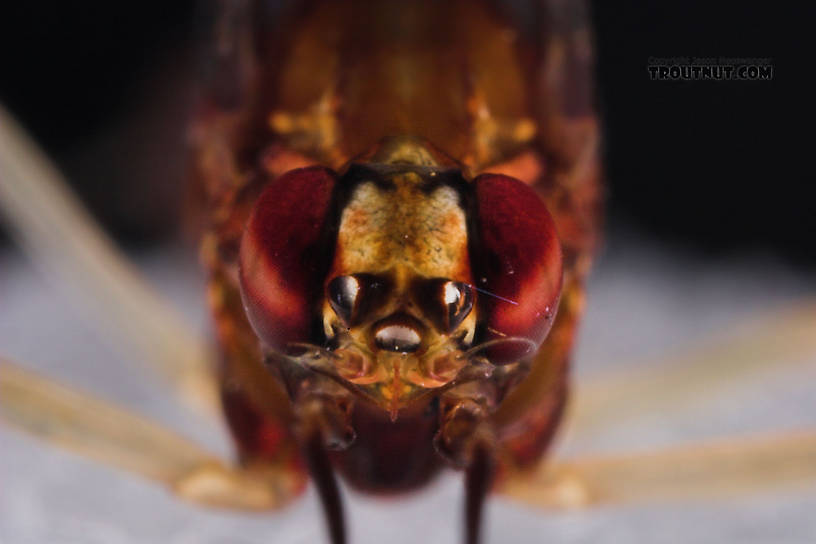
x=380, y=176
x=402, y=206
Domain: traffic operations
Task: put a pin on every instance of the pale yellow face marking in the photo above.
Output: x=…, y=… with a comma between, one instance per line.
x=403, y=230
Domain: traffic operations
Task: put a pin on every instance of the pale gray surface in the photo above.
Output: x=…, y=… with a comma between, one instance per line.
x=642, y=302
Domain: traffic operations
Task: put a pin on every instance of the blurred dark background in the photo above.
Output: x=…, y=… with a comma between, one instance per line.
x=706, y=166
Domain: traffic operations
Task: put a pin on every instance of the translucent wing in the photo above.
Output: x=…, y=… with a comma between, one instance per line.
x=66, y=245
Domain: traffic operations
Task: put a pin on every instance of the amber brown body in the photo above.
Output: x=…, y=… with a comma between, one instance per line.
x=324, y=85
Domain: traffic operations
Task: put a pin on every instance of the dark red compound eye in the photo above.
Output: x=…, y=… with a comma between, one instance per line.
x=280, y=254
x=520, y=263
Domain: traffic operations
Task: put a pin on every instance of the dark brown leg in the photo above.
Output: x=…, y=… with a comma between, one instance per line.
x=478, y=477
x=466, y=439
x=323, y=413
x=321, y=470
x=323, y=424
